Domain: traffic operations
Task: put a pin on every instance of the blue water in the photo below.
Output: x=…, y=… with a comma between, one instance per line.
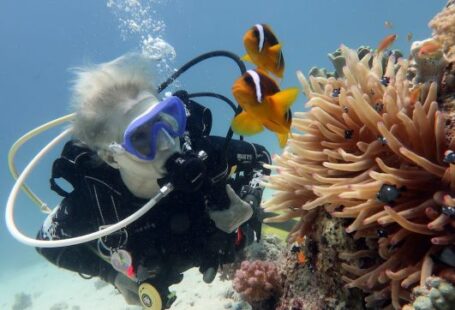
x=41, y=40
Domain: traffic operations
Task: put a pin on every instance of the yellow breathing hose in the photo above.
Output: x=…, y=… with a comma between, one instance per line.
x=12, y=153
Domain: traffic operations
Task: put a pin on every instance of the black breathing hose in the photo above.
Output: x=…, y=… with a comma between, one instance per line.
x=197, y=60
x=214, y=95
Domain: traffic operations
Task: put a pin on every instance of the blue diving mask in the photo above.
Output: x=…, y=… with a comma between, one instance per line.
x=147, y=133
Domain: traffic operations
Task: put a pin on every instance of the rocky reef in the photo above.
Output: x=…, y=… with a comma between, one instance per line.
x=370, y=174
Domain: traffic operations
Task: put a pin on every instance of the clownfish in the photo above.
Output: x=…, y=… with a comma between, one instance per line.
x=386, y=42
x=263, y=49
x=263, y=104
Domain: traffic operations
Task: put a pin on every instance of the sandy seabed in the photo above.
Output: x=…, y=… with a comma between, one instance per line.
x=49, y=287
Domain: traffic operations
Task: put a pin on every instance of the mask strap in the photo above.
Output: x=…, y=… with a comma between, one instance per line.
x=116, y=148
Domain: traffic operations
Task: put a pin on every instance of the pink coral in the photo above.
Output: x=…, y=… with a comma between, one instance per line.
x=257, y=280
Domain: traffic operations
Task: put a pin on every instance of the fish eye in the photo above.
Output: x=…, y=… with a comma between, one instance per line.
x=249, y=80
x=256, y=33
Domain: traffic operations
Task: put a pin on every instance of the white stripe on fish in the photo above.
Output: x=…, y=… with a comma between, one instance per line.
x=260, y=29
x=257, y=84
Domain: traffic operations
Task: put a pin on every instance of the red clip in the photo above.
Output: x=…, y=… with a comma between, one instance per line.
x=240, y=237
x=130, y=271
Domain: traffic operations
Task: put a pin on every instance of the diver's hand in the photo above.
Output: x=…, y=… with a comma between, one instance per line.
x=238, y=213
x=128, y=288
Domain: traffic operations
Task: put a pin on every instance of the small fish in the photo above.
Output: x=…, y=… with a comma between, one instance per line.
x=388, y=24
x=263, y=104
x=263, y=49
x=301, y=257
x=298, y=250
x=429, y=48
x=409, y=36
x=386, y=42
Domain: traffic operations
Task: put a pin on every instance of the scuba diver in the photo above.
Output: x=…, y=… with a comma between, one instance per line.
x=130, y=149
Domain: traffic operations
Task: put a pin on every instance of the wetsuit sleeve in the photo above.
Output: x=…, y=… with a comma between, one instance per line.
x=249, y=159
x=66, y=222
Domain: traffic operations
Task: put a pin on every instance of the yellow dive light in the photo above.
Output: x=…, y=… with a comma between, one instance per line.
x=149, y=296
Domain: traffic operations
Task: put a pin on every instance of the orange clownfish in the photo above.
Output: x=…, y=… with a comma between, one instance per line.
x=263, y=49
x=263, y=104
x=386, y=42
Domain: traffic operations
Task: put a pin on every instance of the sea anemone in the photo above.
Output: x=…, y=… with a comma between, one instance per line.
x=373, y=151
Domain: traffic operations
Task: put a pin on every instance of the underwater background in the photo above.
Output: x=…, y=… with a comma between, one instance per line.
x=40, y=41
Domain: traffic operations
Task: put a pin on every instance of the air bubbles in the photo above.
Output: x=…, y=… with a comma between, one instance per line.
x=139, y=19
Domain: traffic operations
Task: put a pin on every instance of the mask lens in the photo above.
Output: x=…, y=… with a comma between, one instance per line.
x=141, y=136
x=145, y=138
x=140, y=140
x=170, y=121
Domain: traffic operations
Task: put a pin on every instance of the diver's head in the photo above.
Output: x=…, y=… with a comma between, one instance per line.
x=119, y=116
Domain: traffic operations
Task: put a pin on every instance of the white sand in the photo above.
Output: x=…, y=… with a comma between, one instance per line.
x=57, y=289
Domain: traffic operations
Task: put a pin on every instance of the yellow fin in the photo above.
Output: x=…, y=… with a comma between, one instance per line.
x=246, y=57
x=282, y=138
x=244, y=124
x=284, y=99
x=275, y=48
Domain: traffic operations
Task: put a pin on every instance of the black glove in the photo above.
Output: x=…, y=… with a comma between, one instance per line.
x=185, y=171
x=253, y=195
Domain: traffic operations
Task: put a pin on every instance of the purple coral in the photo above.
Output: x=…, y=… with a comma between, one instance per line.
x=257, y=280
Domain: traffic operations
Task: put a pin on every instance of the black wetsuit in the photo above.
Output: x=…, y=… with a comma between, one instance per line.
x=173, y=236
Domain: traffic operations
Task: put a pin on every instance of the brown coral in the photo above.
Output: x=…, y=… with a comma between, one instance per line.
x=443, y=25
x=368, y=133
x=257, y=281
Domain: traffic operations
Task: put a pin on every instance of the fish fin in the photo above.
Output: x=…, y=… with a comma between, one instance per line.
x=275, y=48
x=284, y=99
x=244, y=124
x=280, y=66
x=282, y=138
x=246, y=57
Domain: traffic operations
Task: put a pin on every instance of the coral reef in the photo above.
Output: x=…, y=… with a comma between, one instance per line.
x=269, y=248
x=443, y=25
x=258, y=281
x=372, y=152
x=316, y=283
x=436, y=295
x=338, y=61
x=426, y=68
x=292, y=304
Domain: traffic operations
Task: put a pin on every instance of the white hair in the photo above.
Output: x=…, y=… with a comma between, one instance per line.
x=103, y=93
